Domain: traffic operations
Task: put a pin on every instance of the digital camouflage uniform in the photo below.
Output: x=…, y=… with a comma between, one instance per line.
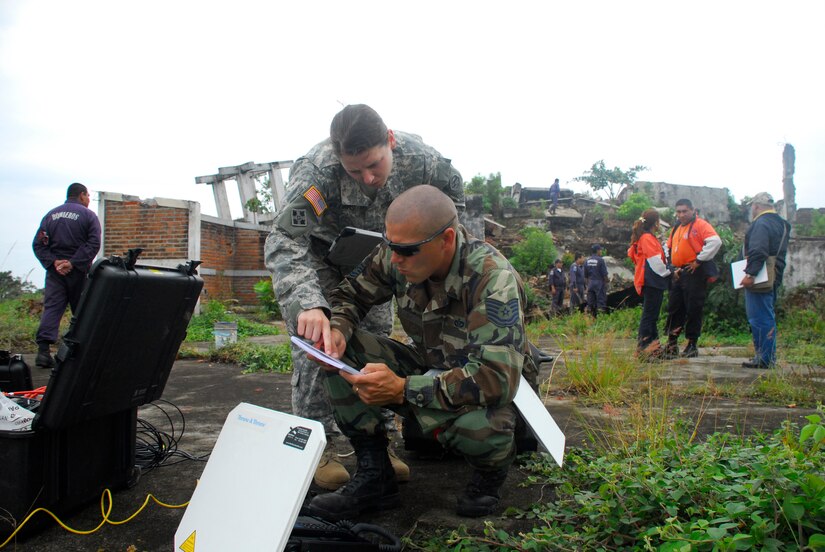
x=321, y=199
x=471, y=325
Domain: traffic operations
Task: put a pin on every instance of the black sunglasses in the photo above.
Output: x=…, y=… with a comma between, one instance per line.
x=410, y=249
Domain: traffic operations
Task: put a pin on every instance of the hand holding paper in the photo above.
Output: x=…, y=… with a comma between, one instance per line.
x=322, y=356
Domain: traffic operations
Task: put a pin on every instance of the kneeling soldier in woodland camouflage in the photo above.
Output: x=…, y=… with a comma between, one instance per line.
x=461, y=303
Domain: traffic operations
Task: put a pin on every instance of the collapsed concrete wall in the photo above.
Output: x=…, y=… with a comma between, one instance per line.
x=805, y=263
x=712, y=203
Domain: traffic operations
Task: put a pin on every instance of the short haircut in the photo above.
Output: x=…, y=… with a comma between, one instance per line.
x=427, y=205
x=686, y=202
x=355, y=129
x=578, y=255
x=75, y=189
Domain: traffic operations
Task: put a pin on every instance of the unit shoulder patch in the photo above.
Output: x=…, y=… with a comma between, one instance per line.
x=299, y=217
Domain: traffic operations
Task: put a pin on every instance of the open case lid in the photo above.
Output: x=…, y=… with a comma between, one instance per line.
x=122, y=341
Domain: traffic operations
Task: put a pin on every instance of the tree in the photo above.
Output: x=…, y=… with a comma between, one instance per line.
x=263, y=201
x=12, y=287
x=612, y=180
x=489, y=188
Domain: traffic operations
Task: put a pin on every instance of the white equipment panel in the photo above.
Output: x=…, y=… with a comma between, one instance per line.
x=254, y=483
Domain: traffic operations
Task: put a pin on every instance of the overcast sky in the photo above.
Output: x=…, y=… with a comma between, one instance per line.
x=142, y=97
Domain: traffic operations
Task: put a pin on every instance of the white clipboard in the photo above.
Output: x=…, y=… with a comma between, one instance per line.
x=322, y=356
x=737, y=269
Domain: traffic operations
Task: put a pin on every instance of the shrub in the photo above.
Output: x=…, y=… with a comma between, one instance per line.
x=535, y=253
x=634, y=206
x=266, y=295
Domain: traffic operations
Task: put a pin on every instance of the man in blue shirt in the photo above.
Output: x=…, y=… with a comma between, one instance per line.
x=65, y=244
x=766, y=242
x=555, y=190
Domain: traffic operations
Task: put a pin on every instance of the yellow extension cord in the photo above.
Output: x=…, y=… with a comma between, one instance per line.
x=105, y=510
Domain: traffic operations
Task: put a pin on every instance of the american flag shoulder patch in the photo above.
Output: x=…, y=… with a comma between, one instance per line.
x=316, y=199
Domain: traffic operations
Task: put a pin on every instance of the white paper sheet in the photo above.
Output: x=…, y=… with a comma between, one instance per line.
x=322, y=356
x=737, y=269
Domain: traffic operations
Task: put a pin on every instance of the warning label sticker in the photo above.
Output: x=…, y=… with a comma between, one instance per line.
x=297, y=437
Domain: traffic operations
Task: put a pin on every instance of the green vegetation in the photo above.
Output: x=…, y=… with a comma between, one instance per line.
x=489, y=188
x=600, y=178
x=255, y=358
x=599, y=372
x=201, y=326
x=266, y=295
x=19, y=319
x=535, y=253
x=668, y=491
x=509, y=203
x=815, y=228
x=534, y=300
x=12, y=287
x=634, y=206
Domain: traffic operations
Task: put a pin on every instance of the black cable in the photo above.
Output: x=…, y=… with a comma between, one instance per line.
x=155, y=448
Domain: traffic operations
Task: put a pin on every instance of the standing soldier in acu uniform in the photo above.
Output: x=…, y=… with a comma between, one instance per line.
x=350, y=179
x=65, y=244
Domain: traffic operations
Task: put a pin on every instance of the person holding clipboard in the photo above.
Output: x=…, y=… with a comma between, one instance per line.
x=766, y=243
x=462, y=305
x=349, y=179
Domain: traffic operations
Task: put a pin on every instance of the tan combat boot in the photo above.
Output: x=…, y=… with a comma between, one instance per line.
x=330, y=473
x=401, y=469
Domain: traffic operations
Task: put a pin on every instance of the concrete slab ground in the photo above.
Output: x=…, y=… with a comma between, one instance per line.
x=206, y=392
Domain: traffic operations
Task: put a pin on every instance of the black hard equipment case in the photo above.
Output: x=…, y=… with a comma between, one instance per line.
x=115, y=357
x=15, y=374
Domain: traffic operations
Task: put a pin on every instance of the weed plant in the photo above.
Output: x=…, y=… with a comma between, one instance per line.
x=599, y=372
x=19, y=320
x=730, y=492
x=17, y=326
x=254, y=357
x=201, y=326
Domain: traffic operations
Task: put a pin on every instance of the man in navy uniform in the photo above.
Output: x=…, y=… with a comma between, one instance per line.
x=557, y=286
x=577, y=289
x=65, y=244
x=595, y=273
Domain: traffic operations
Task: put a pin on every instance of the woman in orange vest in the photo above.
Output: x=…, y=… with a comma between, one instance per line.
x=650, y=280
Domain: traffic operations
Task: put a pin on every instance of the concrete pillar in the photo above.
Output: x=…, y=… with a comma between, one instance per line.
x=276, y=183
x=246, y=189
x=788, y=188
x=221, y=200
